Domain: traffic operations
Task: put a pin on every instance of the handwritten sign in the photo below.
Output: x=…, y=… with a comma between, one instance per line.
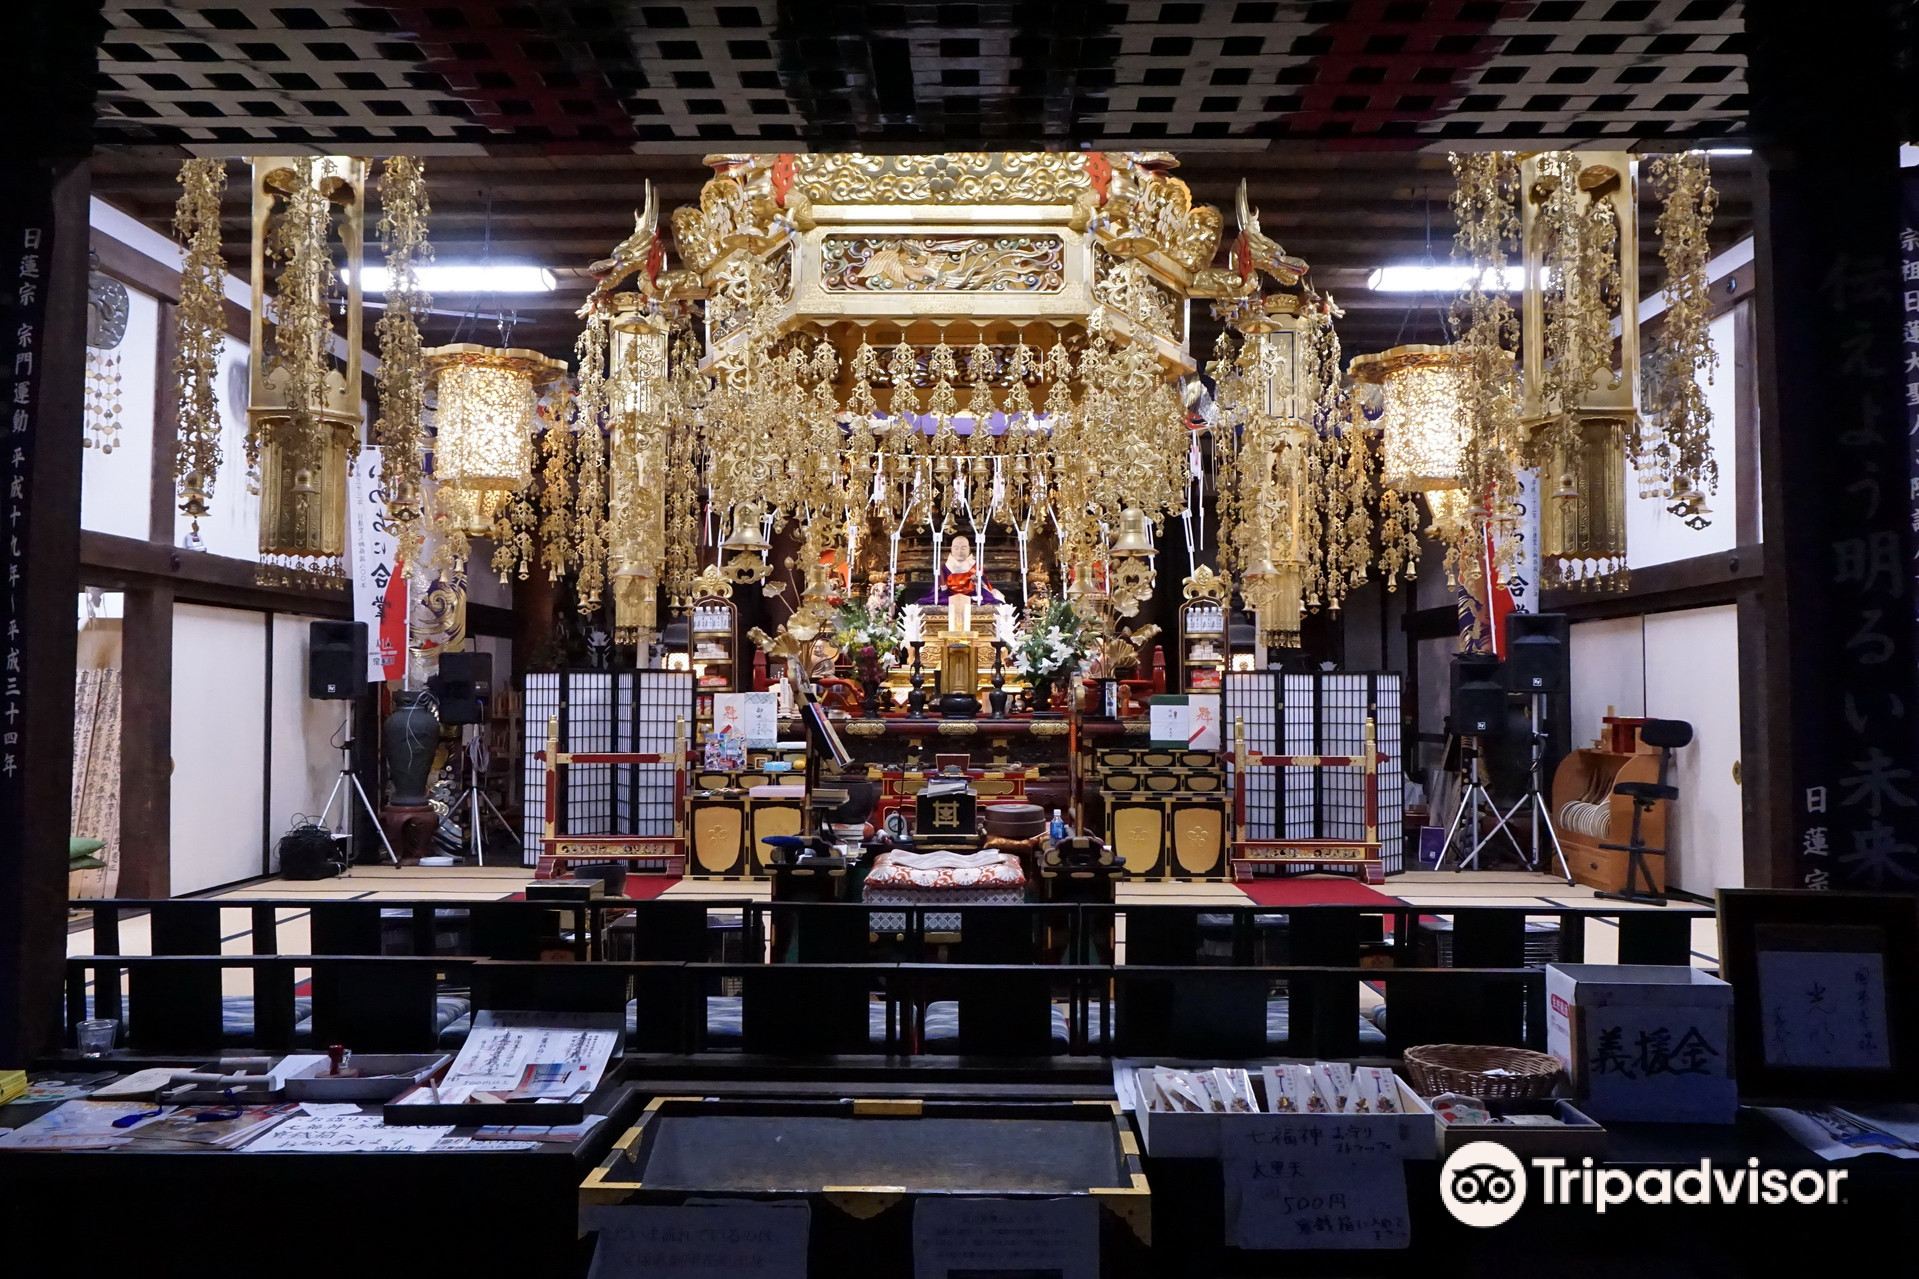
x=1642, y=1042
x=753, y=717
x=1824, y=1010
x=1336, y=1189
x=344, y=1134
x=959, y=1238
x=743, y=1239
x=526, y=1057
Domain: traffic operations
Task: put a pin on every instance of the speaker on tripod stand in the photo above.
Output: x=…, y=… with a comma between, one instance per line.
x=462, y=689
x=336, y=672
x=1539, y=668
x=1478, y=714
x=1478, y=697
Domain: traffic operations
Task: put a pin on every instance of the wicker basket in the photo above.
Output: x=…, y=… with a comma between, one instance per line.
x=1467, y=1069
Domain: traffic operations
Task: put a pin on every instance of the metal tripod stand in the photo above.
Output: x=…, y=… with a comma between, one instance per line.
x=345, y=787
x=1467, y=814
x=475, y=795
x=1539, y=812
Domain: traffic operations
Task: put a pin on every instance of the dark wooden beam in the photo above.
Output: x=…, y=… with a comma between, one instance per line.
x=146, y=742
x=122, y=563
x=490, y=619
x=1697, y=582
x=166, y=429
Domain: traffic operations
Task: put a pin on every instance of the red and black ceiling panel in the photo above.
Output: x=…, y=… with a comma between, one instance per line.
x=553, y=76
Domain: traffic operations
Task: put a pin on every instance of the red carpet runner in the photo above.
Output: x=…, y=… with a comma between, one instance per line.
x=1313, y=890
x=639, y=888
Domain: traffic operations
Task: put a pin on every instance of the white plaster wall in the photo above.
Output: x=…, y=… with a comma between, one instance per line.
x=115, y=492
x=219, y=710
x=1608, y=670
x=1692, y=673
x=1653, y=534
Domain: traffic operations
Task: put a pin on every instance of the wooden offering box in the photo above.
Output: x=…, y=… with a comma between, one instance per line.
x=870, y=1170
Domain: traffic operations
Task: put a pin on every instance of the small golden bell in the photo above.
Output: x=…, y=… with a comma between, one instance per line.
x=745, y=534
x=1135, y=536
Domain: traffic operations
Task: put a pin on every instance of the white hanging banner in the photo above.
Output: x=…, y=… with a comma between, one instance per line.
x=1523, y=581
x=371, y=551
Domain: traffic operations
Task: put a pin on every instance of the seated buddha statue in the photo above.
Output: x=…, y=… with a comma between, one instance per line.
x=961, y=575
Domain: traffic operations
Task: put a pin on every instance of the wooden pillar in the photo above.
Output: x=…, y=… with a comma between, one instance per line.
x=1843, y=702
x=43, y=290
x=48, y=101
x=146, y=743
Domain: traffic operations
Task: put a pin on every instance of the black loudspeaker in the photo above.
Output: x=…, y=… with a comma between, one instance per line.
x=463, y=687
x=336, y=660
x=1538, y=653
x=1479, y=698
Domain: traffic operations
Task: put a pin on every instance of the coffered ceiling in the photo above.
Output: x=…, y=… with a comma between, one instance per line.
x=542, y=119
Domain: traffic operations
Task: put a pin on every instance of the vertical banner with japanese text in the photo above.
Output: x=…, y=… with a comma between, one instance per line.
x=26, y=249
x=373, y=569
x=1909, y=342
x=1856, y=791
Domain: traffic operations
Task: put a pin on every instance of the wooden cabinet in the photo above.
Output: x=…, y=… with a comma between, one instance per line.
x=1587, y=813
x=1165, y=812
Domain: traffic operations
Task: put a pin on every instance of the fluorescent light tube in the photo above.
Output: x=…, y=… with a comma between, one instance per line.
x=472, y=277
x=1412, y=277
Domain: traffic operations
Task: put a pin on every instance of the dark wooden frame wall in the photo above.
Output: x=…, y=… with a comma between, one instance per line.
x=154, y=575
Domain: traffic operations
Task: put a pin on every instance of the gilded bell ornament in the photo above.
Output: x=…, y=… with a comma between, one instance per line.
x=746, y=533
x=1135, y=535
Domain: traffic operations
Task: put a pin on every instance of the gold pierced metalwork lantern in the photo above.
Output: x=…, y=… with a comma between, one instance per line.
x=303, y=401
x=1424, y=393
x=470, y=512
x=484, y=421
x=1579, y=224
x=1582, y=524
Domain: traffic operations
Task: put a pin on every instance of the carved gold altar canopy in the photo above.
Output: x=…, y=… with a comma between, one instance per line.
x=992, y=344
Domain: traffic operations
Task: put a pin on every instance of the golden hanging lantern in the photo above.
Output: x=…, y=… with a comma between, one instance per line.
x=484, y=419
x=470, y=512
x=1582, y=523
x=303, y=401
x=1424, y=394
x=638, y=479
x=1579, y=224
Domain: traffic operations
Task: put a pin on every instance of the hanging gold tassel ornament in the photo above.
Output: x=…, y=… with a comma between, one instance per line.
x=589, y=416
x=402, y=377
x=1673, y=450
x=199, y=336
x=556, y=492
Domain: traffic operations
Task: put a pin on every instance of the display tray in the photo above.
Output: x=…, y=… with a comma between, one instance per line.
x=864, y=1168
x=684, y=1145
x=1574, y=1136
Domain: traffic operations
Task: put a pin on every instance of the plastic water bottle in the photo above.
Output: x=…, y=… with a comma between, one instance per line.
x=1057, y=828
